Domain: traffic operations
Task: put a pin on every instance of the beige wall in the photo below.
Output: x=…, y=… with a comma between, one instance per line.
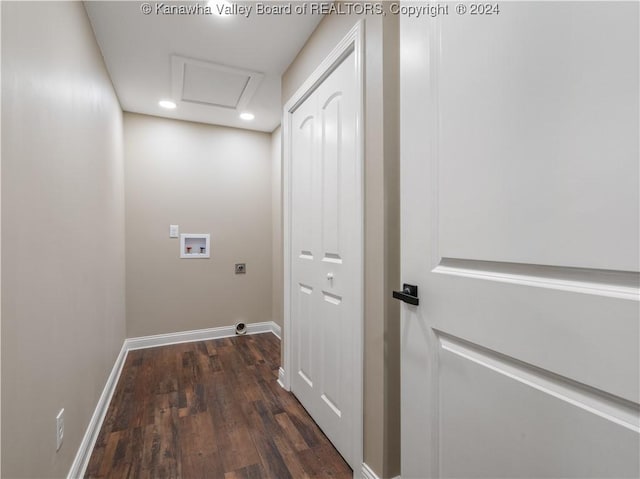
x=382, y=248
x=392, y=277
x=206, y=179
x=276, y=211
x=63, y=307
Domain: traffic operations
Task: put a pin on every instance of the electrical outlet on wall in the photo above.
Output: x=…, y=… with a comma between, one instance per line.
x=241, y=268
x=59, y=429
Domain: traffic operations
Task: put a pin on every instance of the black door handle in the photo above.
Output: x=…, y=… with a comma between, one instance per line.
x=409, y=294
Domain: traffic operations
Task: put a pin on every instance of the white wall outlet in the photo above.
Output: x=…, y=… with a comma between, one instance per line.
x=174, y=231
x=59, y=429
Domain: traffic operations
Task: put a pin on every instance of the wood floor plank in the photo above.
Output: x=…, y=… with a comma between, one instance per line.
x=109, y=452
x=291, y=432
x=290, y=457
x=210, y=409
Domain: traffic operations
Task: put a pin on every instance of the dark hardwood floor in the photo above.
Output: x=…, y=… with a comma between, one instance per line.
x=210, y=409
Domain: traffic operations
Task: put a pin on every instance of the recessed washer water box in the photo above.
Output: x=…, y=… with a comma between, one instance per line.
x=195, y=245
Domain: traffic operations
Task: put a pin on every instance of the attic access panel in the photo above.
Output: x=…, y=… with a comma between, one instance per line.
x=212, y=84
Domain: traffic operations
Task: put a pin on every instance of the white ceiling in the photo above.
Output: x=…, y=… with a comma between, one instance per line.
x=138, y=50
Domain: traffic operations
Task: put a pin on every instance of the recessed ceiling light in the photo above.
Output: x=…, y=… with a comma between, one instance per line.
x=168, y=104
x=220, y=8
x=247, y=116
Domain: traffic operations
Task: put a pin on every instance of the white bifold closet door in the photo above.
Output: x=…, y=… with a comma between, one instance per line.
x=324, y=245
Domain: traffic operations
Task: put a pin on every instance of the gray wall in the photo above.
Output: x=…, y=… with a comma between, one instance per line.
x=382, y=230
x=276, y=209
x=63, y=306
x=206, y=179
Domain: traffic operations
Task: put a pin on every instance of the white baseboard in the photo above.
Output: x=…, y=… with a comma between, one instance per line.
x=281, y=378
x=199, y=335
x=275, y=329
x=81, y=461
x=367, y=472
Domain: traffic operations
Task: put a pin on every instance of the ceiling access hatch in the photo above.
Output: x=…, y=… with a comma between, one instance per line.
x=212, y=84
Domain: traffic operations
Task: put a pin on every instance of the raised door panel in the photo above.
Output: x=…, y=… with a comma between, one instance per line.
x=305, y=336
x=332, y=393
x=499, y=418
x=538, y=118
x=331, y=150
x=303, y=184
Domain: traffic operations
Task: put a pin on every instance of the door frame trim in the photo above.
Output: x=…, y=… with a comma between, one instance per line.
x=352, y=42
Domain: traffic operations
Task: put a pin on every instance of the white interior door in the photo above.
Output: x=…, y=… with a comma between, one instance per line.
x=520, y=228
x=326, y=278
